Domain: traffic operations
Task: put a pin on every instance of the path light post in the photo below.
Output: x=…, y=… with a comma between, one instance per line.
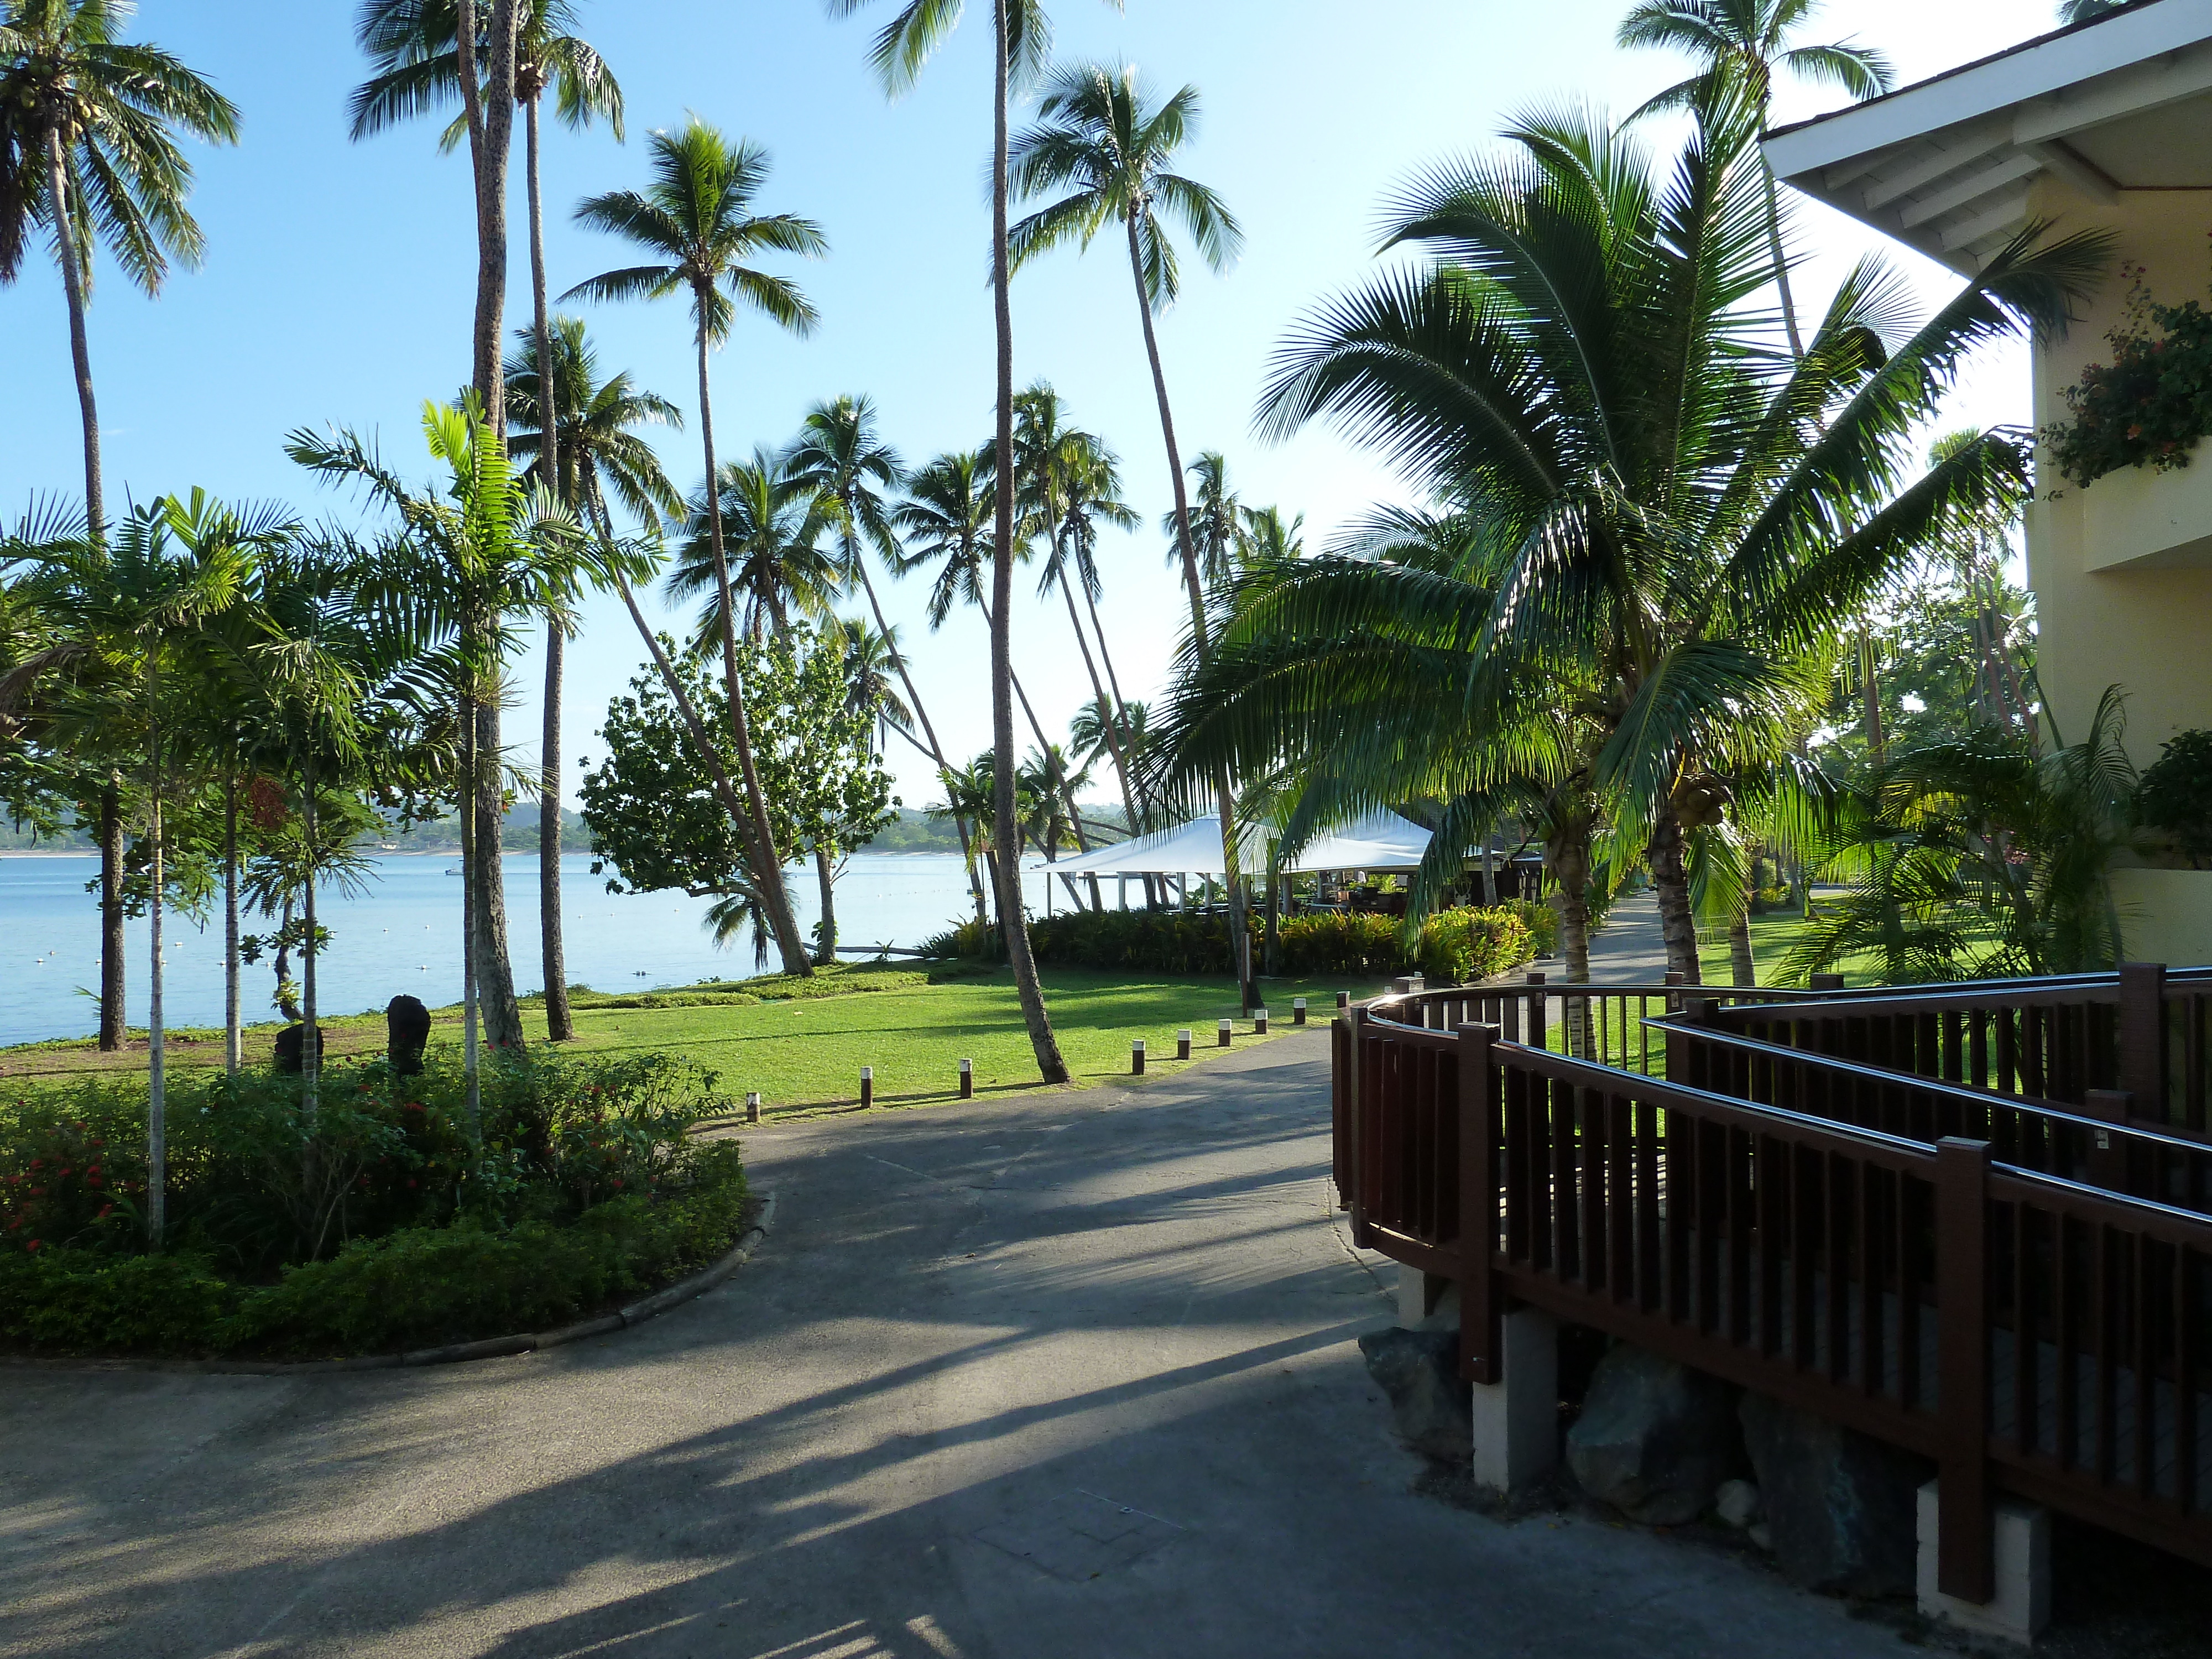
x=867, y=1087
x=1297, y=1011
x=1343, y=1005
x=1183, y=1045
x=1137, y=1058
x=1228, y=1031
x=753, y=1107
x=967, y=1079
x=1259, y=1022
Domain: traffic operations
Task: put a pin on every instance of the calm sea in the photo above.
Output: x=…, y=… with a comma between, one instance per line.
x=404, y=935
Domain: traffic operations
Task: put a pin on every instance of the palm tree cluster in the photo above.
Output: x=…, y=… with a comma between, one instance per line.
x=1651, y=519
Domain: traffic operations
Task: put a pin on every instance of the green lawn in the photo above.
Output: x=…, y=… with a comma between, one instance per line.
x=804, y=1051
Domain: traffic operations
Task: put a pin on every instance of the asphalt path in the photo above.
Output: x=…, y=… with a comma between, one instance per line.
x=1064, y=1375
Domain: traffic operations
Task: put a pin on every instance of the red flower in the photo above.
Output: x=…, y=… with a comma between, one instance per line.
x=64, y=1172
x=34, y=1244
x=38, y=1192
x=38, y=1163
x=94, y=1172
x=617, y=1183
x=104, y=1209
x=410, y=1183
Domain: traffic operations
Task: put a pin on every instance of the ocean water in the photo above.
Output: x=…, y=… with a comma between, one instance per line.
x=404, y=935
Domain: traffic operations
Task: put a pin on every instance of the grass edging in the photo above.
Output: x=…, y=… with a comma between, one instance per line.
x=460, y=1354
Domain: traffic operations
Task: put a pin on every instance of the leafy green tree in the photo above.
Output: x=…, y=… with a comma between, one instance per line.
x=1662, y=525
x=656, y=823
x=696, y=216
x=1745, y=43
x=1021, y=42
x=1103, y=141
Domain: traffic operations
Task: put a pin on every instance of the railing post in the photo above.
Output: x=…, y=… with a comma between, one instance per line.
x=1538, y=1007
x=1827, y=983
x=2143, y=1035
x=1362, y=1235
x=1481, y=1310
x=1966, y=1563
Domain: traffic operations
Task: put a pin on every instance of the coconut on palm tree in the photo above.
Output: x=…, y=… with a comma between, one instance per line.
x=1748, y=42
x=696, y=220
x=1021, y=42
x=1663, y=524
x=1103, y=141
x=88, y=139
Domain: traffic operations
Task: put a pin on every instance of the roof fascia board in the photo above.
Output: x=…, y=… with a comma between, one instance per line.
x=2185, y=76
x=2035, y=71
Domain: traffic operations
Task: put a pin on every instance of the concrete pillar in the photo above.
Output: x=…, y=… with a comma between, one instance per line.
x=2022, y=1606
x=1426, y=1302
x=1517, y=1422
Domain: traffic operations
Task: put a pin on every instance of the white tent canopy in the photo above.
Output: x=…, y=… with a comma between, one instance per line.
x=1381, y=840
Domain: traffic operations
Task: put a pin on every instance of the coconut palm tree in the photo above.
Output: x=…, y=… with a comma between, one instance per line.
x=773, y=524
x=593, y=446
x=1267, y=537
x=2082, y=11
x=1666, y=525
x=696, y=216
x=1217, y=522
x=1102, y=139
x=1748, y=41
x=88, y=124
x=1021, y=42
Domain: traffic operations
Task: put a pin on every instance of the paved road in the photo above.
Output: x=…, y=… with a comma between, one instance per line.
x=1050, y=1379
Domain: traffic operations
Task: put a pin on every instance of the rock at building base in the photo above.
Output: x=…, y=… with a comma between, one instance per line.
x=1656, y=1439
x=1430, y=1407
x=1840, y=1505
x=1736, y=1504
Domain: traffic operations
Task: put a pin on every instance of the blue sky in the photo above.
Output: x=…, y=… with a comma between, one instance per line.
x=338, y=282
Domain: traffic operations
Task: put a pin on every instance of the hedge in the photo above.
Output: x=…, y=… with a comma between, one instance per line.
x=1453, y=945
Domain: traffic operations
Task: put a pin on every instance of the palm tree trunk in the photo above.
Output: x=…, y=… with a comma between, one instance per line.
x=112, y=1028
x=288, y=1004
x=560, y=1023
x=233, y=1033
x=1114, y=687
x=311, y=1034
x=1743, y=967
x=469, y=926
x=1670, y=882
x=768, y=864
x=1008, y=871
x=1568, y=855
x=826, y=945
x=1224, y=792
x=157, y=1093
x=502, y=1014
x=96, y=513
x=1109, y=724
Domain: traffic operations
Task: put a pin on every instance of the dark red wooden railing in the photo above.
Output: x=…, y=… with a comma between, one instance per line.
x=2024, y=1331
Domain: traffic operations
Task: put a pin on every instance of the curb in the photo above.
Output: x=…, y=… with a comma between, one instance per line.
x=491, y=1347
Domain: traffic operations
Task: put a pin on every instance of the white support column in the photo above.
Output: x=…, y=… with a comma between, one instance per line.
x=1517, y=1422
x=2022, y=1606
x=1426, y=1302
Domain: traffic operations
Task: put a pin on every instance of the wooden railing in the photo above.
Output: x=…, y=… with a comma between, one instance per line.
x=2025, y=1332
x=2144, y=1032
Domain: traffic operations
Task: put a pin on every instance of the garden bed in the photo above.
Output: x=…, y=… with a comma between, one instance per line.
x=378, y=1222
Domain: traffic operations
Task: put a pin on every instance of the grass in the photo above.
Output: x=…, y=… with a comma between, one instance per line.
x=801, y=1043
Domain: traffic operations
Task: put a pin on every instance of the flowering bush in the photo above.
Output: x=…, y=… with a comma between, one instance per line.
x=2152, y=402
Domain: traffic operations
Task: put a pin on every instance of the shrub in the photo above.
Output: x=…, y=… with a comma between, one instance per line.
x=1542, y=921
x=2175, y=795
x=1453, y=945
x=2152, y=403
x=83, y=1299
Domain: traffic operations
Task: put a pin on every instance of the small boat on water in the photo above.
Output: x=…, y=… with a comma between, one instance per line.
x=452, y=872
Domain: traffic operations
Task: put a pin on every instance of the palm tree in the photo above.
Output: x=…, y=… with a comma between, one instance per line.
x=593, y=442
x=1217, y=522
x=2081, y=11
x=1021, y=42
x=773, y=524
x=872, y=661
x=415, y=45
x=1266, y=537
x=697, y=216
x=1102, y=139
x=88, y=124
x=1664, y=526
x=1747, y=41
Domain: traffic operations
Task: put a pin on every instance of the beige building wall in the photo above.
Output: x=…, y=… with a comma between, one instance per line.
x=2122, y=571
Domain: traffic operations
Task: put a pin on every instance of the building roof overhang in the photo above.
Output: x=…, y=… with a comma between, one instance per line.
x=1947, y=166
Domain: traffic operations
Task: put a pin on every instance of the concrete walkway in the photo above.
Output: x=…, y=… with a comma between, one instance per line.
x=1629, y=950
x=1049, y=1378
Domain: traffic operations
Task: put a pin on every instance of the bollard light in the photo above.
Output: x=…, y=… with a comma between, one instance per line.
x=1137, y=1058
x=1297, y=1011
x=1259, y=1021
x=1228, y=1029
x=1183, y=1045
x=1344, y=1002
x=867, y=1086
x=753, y=1107
x=967, y=1079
